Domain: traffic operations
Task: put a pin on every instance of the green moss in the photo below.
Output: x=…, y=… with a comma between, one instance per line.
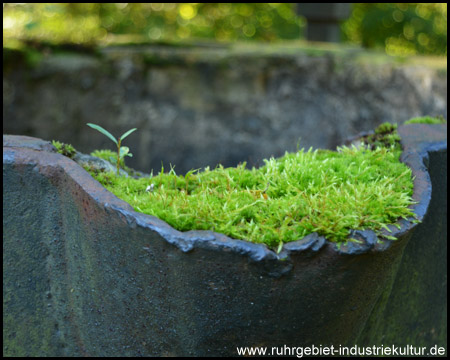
x=111, y=157
x=427, y=120
x=107, y=155
x=288, y=198
x=304, y=192
x=64, y=149
x=384, y=136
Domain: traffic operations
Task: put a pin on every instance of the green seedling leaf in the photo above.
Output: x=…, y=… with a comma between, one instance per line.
x=127, y=133
x=103, y=131
x=125, y=151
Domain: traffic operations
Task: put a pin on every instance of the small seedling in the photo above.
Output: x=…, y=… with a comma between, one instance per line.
x=122, y=151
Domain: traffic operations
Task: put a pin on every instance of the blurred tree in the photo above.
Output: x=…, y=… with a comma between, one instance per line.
x=84, y=22
x=399, y=28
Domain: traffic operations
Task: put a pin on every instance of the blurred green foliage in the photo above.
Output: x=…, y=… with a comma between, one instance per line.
x=86, y=23
x=399, y=28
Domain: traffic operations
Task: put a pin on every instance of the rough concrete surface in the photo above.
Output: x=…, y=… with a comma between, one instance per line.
x=196, y=106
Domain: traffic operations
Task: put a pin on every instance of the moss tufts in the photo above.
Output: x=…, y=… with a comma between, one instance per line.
x=108, y=155
x=288, y=198
x=384, y=135
x=427, y=120
x=64, y=149
x=323, y=191
x=111, y=157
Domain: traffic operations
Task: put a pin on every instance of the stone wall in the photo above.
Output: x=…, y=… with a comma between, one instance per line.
x=200, y=105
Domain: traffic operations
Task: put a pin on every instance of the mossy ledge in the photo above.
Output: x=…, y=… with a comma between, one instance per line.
x=335, y=195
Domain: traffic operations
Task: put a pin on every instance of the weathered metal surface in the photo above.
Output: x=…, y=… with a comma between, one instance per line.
x=86, y=275
x=413, y=310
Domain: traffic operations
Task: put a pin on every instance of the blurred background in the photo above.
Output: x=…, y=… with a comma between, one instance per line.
x=396, y=28
x=219, y=83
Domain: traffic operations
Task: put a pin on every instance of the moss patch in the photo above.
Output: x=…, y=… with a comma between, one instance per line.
x=328, y=192
x=384, y=136
x=111, y=157
x=64, y=149
x=427, y=120
x=308, y=191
